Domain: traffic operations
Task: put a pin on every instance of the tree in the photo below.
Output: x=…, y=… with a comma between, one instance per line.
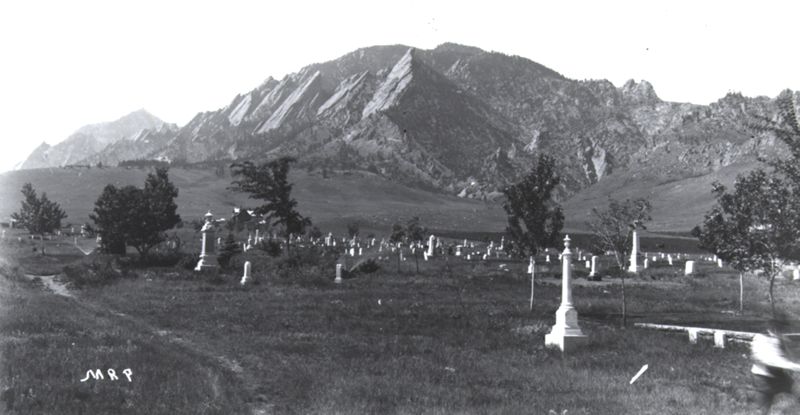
x=268, y=181
x=613, y=229
x=315, y=233
x=755, y=227
x=534, y=219
x=352, y=229
x=415, y=233
x=130, y=216
x=398, y=236
x=39, y=215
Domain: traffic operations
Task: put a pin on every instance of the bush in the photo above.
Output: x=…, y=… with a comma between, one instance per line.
x=271, y=247
x=188, y=261
x=160, y=259
x=97, y=270
x=366, y=267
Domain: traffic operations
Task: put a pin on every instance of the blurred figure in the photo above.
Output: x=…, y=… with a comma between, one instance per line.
x=770, y=364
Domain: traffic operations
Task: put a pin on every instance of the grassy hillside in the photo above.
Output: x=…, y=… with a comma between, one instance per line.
x=332, y=203
x=372, y=201
x=677, y=205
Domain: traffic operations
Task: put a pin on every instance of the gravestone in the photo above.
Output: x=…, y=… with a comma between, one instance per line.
x=669, y=259
x=646, y=263
x=208, y=258
x=689, y=268
x=566, y=334
x=532, y=270
x=634, y=266
x=719, y=263
x=431, y=245
x=593, y=273
x=246, y=277
x=338, y=279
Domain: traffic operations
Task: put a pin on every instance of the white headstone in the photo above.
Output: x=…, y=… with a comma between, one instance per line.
x=588, y=264
x=719, y=263
x=566, y=333
x=796, y=273
x=431, y=245
x=689, y=270
x=547, y=258
x=669, y=259
x=594, y=266
x=338, y=279
x=634, y=266
x=646, y=263
x=246, y=277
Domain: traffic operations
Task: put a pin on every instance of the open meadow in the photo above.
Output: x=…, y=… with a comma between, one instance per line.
x=455, y=337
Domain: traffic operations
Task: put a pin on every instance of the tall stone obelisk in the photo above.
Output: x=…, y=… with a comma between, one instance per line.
x=208, y=257
x=566, y=334
x=634, y=266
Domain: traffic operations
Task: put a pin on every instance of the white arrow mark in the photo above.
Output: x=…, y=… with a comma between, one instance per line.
x=641, y=371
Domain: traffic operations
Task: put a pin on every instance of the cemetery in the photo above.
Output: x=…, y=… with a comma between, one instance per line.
x=254, y=308
x=459, y=325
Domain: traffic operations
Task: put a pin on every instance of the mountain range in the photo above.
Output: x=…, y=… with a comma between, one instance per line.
x=455, y=118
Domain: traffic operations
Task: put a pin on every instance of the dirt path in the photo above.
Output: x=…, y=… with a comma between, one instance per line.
x=58, y=287
x=52, y=284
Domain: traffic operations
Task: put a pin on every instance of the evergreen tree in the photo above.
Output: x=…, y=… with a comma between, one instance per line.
x=534, y=218
x=39, y=215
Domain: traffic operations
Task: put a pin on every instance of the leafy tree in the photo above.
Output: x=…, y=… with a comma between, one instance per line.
x=415, y=233
x=613, y=229
x=315, y=232
x=130, y=216
x=269, y=182
x=38, y=214
x=755, y=227
x=352, y=229
x=534, y=219
x=398, y=236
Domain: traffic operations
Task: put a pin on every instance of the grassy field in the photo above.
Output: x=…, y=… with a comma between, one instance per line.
x=332, y=203
x=677, y=205
x=457, y=337
x=374, y=202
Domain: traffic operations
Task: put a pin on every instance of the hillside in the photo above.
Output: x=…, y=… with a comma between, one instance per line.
x=369, y=199
x=364, y=197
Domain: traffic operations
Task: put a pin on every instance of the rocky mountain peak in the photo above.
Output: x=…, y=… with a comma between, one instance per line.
x=639, y=93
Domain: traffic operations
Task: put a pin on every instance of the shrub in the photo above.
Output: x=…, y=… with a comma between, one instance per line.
x=366, y=267
x=188, y=261
x=271, y=247
x=96, y=270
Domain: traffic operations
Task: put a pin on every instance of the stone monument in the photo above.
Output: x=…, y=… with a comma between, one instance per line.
x=634, y=267
x=566, y=334
x=208, y=259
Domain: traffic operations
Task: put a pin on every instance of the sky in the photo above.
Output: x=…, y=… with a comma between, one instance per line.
x=65, y=64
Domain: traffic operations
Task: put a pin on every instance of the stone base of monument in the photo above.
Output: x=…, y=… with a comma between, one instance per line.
x=565, y=334
x=207, y=264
